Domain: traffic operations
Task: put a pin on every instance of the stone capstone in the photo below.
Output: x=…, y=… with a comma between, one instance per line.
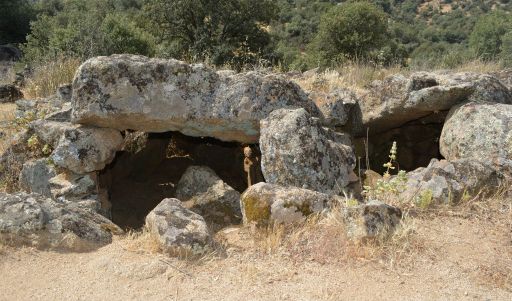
x=156, y=95
x=177, y=229
x=265, y=203
x=478, y=130
x=397, y=99
x=297, y=151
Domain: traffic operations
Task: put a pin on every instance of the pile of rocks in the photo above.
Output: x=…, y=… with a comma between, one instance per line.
x=306, y=143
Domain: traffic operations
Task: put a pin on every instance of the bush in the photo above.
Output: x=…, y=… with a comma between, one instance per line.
x=351, y=31
x=486, y=38
x=221, y=32
x=83, y=29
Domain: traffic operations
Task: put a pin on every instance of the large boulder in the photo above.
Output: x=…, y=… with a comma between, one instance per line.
x=157, y=95
x=373, y=219
x=478, y=130
x=397, y=99
x=448, y=182
x=83, y=149
x=178, y=230
x=203, y=192
x=35, y=176
x=31, y=219
x=266, y=203
x=297, y=151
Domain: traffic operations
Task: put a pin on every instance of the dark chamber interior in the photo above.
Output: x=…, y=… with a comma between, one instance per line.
x=417, y=144
x=138, y=182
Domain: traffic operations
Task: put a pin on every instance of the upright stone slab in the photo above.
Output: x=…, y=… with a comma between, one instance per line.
x=297, y=151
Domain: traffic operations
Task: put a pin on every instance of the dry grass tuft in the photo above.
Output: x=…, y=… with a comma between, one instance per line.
x=479, y=66
x=141, y=242
x=352, y=76
x=47, y=77
x=7, y=129
x=7, y=73
x=323, y=239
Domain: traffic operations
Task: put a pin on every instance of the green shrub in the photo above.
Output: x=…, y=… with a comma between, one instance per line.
x=83, y=29
x=486, y=38
x=351, y=31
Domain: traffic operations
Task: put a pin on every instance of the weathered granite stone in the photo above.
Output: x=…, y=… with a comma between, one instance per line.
x=297, y=151
x=178, y=230
x=478, y=130
x=156, y=95
x=265, y=203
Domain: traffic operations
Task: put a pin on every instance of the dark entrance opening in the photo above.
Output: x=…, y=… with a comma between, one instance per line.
x=417, y=143
x=137, y=181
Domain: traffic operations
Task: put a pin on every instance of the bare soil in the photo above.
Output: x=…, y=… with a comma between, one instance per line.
x=449, y=258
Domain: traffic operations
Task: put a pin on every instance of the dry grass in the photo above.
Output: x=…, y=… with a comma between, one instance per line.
x=7, y=128
x=46, y=78
x=7, y=73
x=323, y=239
x=352, y=76
x=140, y=242
x=479, y=67
x=356, y=76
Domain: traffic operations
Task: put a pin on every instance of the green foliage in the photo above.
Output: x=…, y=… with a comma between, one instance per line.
x=486, y=38
x=290, y=34
x=387, y=187
x=506, y=49
x=424, y=199
x=15, y=16
x=84, y=29
x=349, y=31
x=222, y=32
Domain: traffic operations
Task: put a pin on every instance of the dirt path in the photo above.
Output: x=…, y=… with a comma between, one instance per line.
x=461, y=260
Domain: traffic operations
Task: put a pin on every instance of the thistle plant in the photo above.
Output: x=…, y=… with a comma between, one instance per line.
x=392, y=159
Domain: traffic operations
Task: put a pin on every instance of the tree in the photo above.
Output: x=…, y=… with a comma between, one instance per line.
x=486, y=38
x=352, y=30
x=221, y=31
x=506, y=49
x=15, y=16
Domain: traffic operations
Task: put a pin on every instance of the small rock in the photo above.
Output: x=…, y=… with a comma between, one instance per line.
x=179, y=230
x=9, y=93
x=371, y=220
x=71, y=186
x=35, y=176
